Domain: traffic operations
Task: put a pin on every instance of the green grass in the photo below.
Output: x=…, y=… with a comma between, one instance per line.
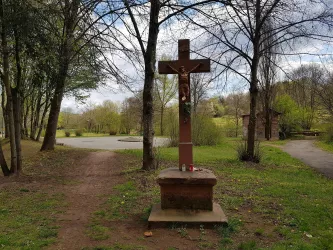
x=61, y=134
x=29, y=204
x=286, y=200
x=27, y=218
x=325, y=145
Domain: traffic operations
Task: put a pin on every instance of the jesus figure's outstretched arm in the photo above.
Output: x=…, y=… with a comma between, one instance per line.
x=176, y=71
x=195, y=67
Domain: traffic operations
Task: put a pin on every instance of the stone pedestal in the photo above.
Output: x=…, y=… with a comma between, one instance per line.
x=187, y=197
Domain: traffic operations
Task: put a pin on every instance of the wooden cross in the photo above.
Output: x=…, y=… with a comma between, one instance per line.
x=183, y=67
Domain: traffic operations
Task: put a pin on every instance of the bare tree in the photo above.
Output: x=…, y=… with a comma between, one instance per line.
x=236, y=107
x=200, y=85
x=237, y=31
x=165, y=89
x=324, y=92
x=145, y=20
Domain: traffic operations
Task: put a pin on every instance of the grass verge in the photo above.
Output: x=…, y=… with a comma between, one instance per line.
x=325, y=145
x=29, y=204
x=280, y=203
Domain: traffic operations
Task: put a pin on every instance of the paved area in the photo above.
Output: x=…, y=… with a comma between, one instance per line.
x=307, y=152
x=110, y=143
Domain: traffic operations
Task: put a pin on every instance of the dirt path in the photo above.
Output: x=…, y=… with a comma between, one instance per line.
x=93, y=178
x=306, y=151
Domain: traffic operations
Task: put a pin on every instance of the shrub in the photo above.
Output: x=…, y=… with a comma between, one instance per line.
x=230, y=129
x=173, y=131
x=243, y=155
x=204, y=131
x=112, y=132
x=78, y=132
x=67, y=133
x=328, y=136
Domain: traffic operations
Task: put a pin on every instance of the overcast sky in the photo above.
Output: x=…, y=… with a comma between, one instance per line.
x=168, y=45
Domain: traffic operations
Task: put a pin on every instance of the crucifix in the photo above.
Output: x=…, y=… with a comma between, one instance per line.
x=183, y=67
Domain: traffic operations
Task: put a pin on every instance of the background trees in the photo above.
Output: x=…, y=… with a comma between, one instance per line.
x=67, y=47
x=238, y=32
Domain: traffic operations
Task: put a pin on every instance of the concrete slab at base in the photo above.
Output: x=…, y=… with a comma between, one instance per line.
x=159, y=215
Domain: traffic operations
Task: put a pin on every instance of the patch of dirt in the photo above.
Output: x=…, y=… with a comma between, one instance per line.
x=88, y=182
x=92, y=178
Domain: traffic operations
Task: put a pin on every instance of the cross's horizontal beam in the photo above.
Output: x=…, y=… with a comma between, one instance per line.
x=163, y=67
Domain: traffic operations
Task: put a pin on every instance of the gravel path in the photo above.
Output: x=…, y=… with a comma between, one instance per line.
x=110, y=143
x=307, y=152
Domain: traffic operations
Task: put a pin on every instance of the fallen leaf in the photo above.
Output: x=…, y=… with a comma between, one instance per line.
x=148, y=234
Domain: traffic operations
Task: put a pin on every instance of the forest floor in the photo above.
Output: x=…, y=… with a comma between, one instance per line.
x=100, y=200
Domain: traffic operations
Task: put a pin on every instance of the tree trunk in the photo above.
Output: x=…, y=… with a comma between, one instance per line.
x=267, y=123
x=254, y=87
x=161, y=125
x=253, y=109
x=17, y=120
x=41, y=125
x=148, y=110
x=237, y=122
x=5, y=62
x=66, y=49
x=51, y=129
x=17, y=101
x=4, y=126
x=3, y=163
x=32, y=115
x=25, y=121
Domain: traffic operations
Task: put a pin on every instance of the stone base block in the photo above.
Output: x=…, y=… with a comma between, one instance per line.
x=186, y=190
x=162, y=216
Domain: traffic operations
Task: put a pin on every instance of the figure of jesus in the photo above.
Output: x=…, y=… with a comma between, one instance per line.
x=184, y=88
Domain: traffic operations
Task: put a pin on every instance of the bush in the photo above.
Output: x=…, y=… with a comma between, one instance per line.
x=229, y=128
x=67, y=133
x=112, y=132
x=173, y=131
x=243, y=155
x=204, y=131
x=78, y=132
x=328, y=136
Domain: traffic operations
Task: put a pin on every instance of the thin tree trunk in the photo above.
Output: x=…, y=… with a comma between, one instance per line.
x=41, y=125
x=267, y=123
x=17, y=101
x=5, y=62
x=16, y=110
x=25, y=121
x=35, y=121
x=237, y=122
x=4, y=110
x=162, y=116
x=3, y=163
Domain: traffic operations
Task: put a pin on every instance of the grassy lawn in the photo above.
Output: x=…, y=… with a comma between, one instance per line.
x=278, y=204
x=325, y=145
x=61, y=134
x=29, y=204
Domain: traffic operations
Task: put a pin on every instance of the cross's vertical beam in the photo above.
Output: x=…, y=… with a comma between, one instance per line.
x=183, y=67
x=185, y=136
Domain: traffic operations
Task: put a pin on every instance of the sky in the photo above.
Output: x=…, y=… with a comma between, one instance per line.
x=167, y=45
